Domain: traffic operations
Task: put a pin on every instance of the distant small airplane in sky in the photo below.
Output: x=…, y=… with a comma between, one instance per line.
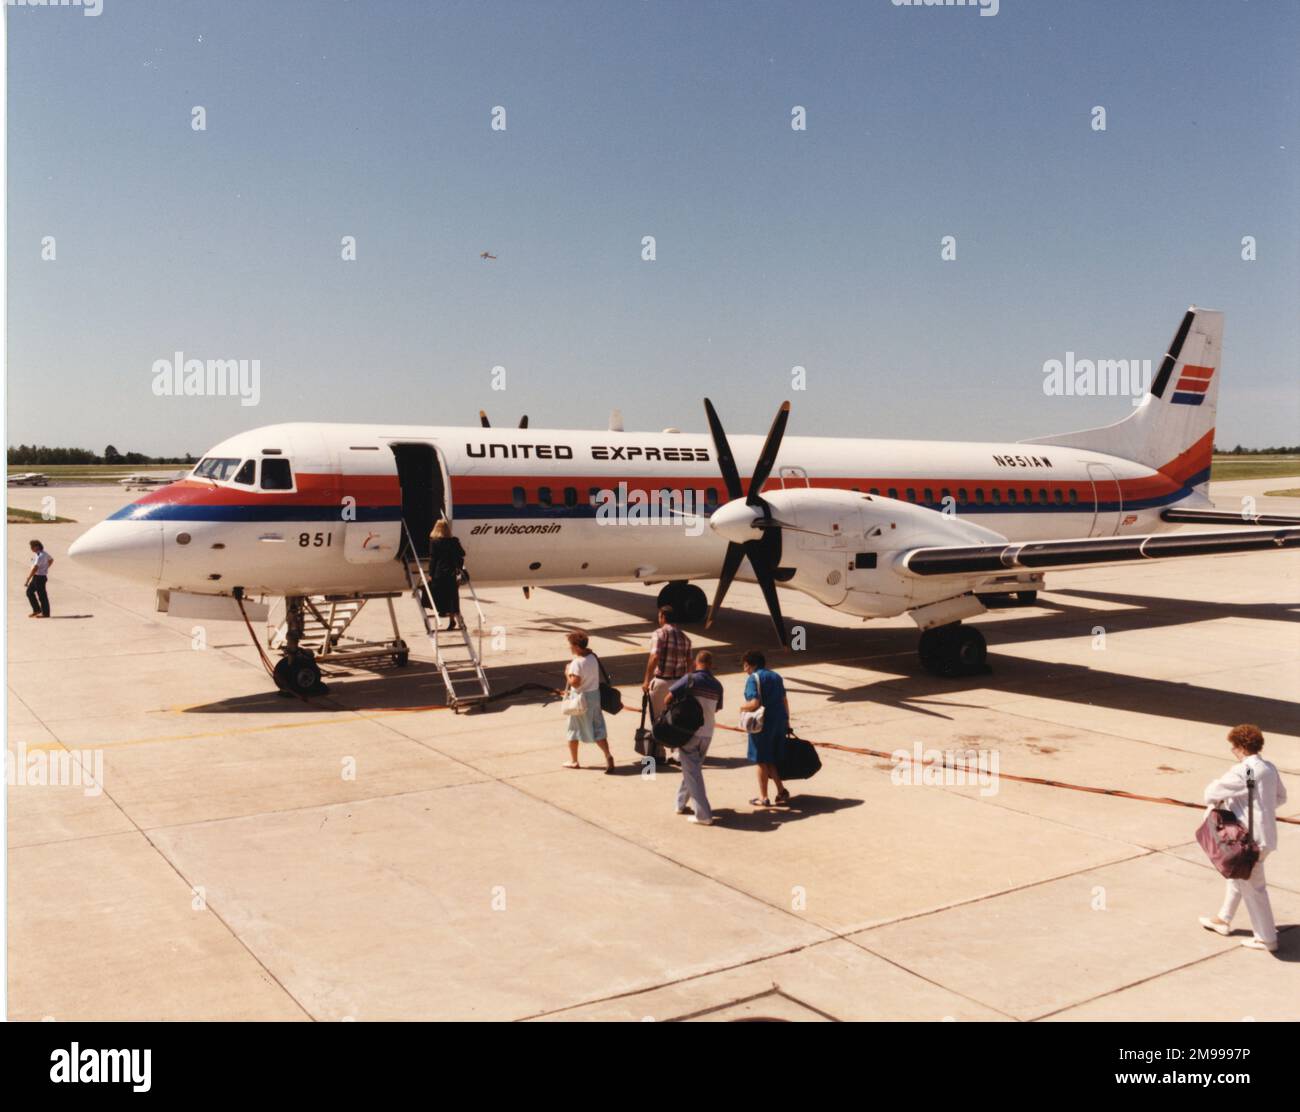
x=485, y=255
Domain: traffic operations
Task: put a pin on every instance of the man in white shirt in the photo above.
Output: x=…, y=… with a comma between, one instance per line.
x=41, y=562
x=1231, y=790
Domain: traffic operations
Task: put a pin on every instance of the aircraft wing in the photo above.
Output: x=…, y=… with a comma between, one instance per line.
x=966, y=560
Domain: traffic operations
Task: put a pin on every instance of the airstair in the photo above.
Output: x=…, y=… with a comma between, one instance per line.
x=325, y=622
x=457, y=652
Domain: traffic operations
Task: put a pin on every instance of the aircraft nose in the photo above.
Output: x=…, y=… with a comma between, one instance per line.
x=734, y=521
x=128, y=549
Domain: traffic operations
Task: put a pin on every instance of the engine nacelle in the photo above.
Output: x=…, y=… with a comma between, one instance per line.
x=844, y=548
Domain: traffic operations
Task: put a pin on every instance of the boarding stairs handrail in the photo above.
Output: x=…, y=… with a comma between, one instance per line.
x=450, y=668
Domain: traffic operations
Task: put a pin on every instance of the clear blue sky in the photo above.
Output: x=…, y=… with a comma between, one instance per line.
x=371, y=118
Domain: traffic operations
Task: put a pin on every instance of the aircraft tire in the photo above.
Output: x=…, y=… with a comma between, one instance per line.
x=299, y=673
x=690, y=604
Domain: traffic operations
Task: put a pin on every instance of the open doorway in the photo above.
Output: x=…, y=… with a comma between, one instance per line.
x=419, y=473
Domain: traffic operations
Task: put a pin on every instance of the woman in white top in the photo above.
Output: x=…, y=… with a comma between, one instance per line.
x=1231, y=790
x=583, y=673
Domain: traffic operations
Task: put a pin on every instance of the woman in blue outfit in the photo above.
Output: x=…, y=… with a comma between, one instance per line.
x=766, y=689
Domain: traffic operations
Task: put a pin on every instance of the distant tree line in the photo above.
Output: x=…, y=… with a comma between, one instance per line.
x=1240, y=451
x=41, y=456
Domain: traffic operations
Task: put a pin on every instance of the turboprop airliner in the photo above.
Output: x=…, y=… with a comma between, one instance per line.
x=874, y=528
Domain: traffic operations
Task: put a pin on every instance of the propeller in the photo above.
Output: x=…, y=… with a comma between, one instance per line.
x=738, y=517
x=483, y=420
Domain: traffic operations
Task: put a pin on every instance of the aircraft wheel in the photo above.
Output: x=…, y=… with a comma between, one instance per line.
x=953, y=650
x=299, y=673
x=969, y=651
x=689, y=602
x=930, y=652
x=694, y=604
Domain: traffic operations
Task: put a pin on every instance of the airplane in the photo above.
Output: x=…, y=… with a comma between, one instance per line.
x=29, y=479
x=143, y=480
x=872, y=528
x=485, y=255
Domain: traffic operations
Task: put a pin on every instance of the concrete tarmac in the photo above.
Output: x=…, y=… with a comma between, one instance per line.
x=371, y=855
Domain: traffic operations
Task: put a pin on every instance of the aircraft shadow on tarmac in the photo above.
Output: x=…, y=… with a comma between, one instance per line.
x=881, y=649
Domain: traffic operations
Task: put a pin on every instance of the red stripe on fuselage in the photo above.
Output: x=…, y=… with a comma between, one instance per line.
x=312, y=490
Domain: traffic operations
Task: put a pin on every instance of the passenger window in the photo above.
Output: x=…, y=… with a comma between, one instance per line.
x=1074, y=497
x=570, y=496
x=961, y=495
x=711, y=499
x=911, y=494
x=276, y=475
x=544, y=496
x=875, y=491
x=929, y=496
x=518, y=498
x=996, y=495
x=1029, y=494
x=1042, y=496
x=893, y=492
x=979, y=496
x=246, y=475
x=1058, y=497
x=1011, y=495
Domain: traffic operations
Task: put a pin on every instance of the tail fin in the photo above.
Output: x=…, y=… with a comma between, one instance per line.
x=1172, y=430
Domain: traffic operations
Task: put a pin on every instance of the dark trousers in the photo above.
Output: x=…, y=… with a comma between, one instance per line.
x=37, y=597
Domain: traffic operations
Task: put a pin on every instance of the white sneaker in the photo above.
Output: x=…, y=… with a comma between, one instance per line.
x=1215, y=925
x=1259, y=944
x=700, y=821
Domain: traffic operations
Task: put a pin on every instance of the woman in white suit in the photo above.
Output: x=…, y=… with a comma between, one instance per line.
x=1230, y=791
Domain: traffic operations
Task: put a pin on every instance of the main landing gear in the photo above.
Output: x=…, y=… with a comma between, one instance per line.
x=689, y=603
x=953, y=650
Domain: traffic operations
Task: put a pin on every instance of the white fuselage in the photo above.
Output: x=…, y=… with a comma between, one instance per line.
x=542, y=506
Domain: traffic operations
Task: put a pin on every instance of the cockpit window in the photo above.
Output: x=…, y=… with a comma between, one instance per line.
x=276, y=475
x=247, y=474
x=217, y=468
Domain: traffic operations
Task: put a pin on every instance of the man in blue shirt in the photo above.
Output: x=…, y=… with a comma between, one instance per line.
x=708, y=692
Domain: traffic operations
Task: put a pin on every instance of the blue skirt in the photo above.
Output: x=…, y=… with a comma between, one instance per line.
x=768, y=746
x=589, y=726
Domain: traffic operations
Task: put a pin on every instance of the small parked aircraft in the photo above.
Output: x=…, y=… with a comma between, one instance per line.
x=330, y=515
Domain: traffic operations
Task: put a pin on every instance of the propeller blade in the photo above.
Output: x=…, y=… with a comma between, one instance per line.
x=726, y=461
x=482, y=420
x=767, y=457
x=758, y=560
x=730, y=565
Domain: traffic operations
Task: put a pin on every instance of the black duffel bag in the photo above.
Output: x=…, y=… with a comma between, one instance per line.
x=611, y=701
x=799, y=760
x=680, y=720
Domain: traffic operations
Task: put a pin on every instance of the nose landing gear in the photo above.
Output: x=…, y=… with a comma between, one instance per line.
x=300, y=674
x=953, y=650
x=297, y=671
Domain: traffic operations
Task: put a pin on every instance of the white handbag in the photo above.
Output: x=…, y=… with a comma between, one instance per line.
x=751, y=721
x=574, y=702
